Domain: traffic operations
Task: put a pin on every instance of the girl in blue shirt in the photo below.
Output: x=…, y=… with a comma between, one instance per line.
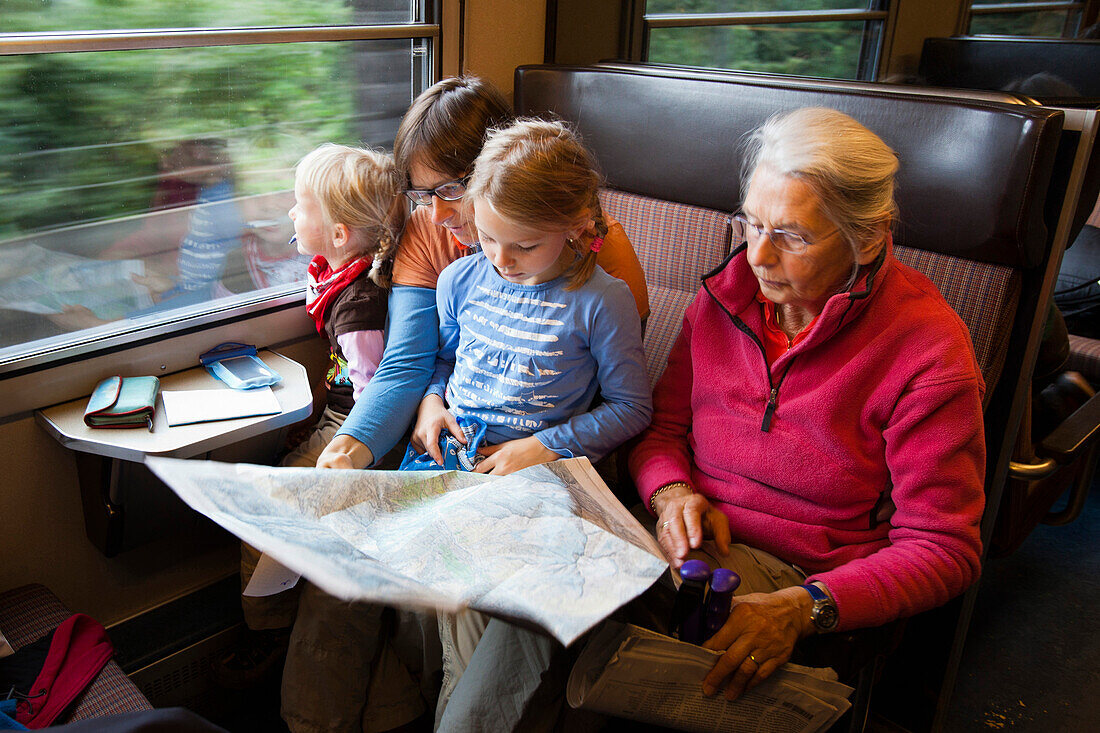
x=530, y=327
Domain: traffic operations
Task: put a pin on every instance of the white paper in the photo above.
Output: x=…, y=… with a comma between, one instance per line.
x=187, y=406
x=270, y=577
x=5, y=647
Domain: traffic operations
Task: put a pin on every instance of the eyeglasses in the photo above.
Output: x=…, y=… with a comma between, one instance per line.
x=781, y=239
x=449, y=191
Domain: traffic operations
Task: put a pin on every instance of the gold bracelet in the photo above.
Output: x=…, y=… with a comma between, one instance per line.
x=666, y=487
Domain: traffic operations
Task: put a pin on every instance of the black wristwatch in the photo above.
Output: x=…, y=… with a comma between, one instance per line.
x=824, y=614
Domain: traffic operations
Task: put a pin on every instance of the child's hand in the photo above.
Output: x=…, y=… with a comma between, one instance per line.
x=432, y=418
x=513, y=455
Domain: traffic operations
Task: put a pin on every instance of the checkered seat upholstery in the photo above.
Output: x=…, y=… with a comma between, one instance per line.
x=676, y=244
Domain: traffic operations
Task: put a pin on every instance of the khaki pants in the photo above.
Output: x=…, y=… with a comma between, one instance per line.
x=357, y=666
x=459, y=634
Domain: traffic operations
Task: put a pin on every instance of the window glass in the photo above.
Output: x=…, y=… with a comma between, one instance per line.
x=143, y=186
x=21, y=16
x=747, y=6
x=828, y=49
x=1032, y=23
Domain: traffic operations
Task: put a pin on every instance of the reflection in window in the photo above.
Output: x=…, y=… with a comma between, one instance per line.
x=141, y=185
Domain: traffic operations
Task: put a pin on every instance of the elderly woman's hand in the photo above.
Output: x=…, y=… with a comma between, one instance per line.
x=684, y=520
x=758, y=638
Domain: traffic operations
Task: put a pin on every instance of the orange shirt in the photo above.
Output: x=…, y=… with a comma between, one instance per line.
x=426, y=249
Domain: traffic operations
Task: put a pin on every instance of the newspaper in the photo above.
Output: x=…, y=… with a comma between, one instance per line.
x=549, y=545
x=630, y=672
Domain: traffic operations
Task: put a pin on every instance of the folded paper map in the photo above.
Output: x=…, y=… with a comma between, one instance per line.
x=549, y=545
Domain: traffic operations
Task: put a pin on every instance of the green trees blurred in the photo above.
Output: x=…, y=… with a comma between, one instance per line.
x=829, y=49
x=83, y=135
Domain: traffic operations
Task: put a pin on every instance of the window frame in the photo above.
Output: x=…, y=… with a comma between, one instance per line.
x=870, y=59
x=48, y=375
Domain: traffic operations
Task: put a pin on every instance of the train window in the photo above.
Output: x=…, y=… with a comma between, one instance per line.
x=79, y=15
x=839, y=39
x=147, y=174
x=1025, y=18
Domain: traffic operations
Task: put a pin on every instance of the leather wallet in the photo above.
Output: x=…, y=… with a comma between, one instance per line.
x=123, y=402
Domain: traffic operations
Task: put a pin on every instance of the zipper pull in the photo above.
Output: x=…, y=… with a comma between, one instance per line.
x=773, y=402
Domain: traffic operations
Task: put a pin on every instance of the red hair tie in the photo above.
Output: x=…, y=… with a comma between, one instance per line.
x=597, y=242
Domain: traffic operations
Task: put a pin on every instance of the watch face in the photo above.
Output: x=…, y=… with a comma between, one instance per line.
x=824, y=615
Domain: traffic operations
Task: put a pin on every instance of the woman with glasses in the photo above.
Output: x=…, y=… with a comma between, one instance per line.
x=372, y=662
x=819, y=426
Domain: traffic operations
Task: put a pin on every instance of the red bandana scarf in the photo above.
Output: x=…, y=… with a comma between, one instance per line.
x=324, y=284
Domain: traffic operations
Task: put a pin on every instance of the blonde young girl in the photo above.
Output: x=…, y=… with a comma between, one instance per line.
x=530, y=327
x=348, y=215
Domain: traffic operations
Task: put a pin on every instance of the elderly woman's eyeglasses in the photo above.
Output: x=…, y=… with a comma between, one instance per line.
x=449, y=191
x=781, y=239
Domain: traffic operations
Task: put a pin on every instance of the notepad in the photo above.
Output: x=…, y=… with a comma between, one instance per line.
x=189, y=406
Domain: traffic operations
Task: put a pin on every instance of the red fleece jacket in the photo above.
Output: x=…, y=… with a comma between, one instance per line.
x=878, y=407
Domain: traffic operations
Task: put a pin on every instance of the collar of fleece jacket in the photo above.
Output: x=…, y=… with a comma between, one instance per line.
x=731, y=285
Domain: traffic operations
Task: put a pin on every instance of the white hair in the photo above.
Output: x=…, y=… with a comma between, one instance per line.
x=848, y=167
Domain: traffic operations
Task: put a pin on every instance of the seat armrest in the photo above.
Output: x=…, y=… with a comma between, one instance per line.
x=1075, y=434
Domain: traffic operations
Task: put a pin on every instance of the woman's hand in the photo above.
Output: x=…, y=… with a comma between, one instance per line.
x=344, y=451
x=513, y=455
x=684, y=520
x=432, y=417
x=758, y=638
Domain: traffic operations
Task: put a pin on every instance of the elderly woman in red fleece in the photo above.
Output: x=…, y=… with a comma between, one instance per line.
x=818, y=428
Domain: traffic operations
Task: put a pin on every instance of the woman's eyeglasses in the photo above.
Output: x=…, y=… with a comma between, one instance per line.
x=449, y=191
x=781, y=239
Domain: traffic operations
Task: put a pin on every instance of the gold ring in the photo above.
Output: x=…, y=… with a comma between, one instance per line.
x=664, y=525
x=754, y=660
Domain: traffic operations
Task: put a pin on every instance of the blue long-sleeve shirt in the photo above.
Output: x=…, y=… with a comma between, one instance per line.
x=528, y=359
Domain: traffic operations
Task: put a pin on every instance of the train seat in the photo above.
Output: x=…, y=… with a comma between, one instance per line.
x=29, y=612
x=998, y=63
x=1056, y=73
